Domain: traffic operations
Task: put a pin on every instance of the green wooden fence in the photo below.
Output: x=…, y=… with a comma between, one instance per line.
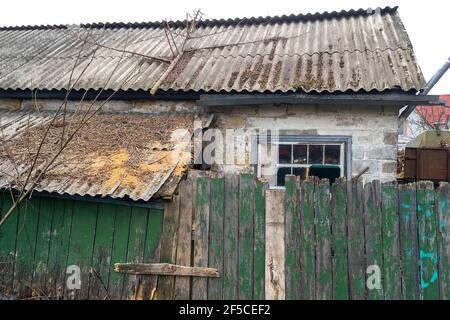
x=224, y=216
x=338, y=240
x=308, y=241
x=46, y=235
x=334, y=235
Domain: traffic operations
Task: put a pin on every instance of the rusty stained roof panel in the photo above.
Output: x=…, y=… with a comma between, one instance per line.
x=332, y=52
x=114, y=155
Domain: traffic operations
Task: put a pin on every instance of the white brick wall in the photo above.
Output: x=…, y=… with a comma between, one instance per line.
x=373, y=130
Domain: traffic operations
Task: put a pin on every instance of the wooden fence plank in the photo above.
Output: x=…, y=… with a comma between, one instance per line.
x=81, y=243
x=409, y=244
x=61, y=287
x=8, y=236
x=323, y=242
x=182, y=284
x=373, y=239
x=101, y=265
x=426, y=210
x=152, y=251
x=119, y=251
x=357, y=264
x=443, y=210
x=25, y=249
x=292, y=239
x=169, y=241
x=40, y=285
x=136, y=245
x=57, y=256
x=165, y=269
x=259, y=269
x=307, y=241
x=246, y=234
x=275, y=246
x=216, y=223
x=201, y=235
x=391, y=242
x=339, y=241
x=231, y=235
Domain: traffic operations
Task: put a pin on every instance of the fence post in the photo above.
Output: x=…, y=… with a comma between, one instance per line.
x=292, y=238
x=275, y=246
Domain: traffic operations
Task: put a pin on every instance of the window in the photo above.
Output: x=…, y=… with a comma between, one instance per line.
x=276, y=156
x=324, y=160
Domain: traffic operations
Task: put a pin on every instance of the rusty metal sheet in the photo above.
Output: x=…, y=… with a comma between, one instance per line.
x=134, y=156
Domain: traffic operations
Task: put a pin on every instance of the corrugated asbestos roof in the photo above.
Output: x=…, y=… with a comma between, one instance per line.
x=114, y=155
x=333, y=52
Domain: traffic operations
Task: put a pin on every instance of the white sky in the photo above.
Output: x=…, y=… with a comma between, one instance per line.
x=427, y=22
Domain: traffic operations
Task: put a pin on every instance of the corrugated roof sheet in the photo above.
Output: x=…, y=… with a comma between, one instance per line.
x=333, y=52
x=132, y=156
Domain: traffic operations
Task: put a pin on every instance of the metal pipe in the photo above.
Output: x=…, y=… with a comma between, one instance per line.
x=430, y=84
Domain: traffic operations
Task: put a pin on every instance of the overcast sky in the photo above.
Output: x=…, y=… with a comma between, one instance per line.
x=427, y=22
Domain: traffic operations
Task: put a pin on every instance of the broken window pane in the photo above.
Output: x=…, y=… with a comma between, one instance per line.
x=300, y=172
x=315, y=154
x=282, y=172
x=300, y=154
x=332, y=154
x=284, y=154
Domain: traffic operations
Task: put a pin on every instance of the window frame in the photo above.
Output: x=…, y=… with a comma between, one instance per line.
x=345, y=141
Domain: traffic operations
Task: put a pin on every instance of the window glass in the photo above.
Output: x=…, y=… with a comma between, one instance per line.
x=300, y=154
x=332, y=154
x=315, y=154
x=282, y=172
x=284, y=154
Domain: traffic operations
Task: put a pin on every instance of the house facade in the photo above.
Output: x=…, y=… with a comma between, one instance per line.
x=327, y=87
x=134, y=143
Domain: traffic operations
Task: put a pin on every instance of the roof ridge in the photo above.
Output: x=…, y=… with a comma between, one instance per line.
x=215, y=22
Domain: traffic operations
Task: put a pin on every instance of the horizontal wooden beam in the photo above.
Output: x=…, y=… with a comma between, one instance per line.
x=381, y=99
x=165, y=269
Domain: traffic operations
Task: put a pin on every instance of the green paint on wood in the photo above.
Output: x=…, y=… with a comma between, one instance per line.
x=135, y=252
x=101, y=266
x=373, y=239
x=357, y=264
x=259, y=258
x=443, y=210
x=81, y=244
x=231, y=235
x=25, y=249
x=428, y=253
x=323, y=242
x=216, y=254
x=8, y=235
x=246, y=234
x=409, y=242
x=67, y=228
x=307, y=242
x=292, y=239
x=169, y=243
x=391, y=243
x=339, y=242
x=152, y=249
x=119, y=251
x=201, y=235
x=43, y=246
x=57, y=255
